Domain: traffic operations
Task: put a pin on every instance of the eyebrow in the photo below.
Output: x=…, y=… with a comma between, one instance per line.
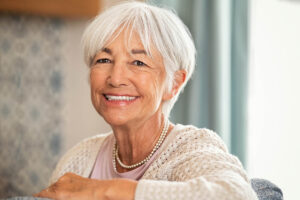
x=106, y=50
x=138, y=51
x=133, y=51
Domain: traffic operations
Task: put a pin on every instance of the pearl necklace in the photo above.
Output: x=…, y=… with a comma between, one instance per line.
x=157, y=145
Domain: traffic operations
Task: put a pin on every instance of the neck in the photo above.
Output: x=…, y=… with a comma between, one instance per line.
x=135, y=142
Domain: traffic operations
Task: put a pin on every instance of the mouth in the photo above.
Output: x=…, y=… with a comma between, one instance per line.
x=110, y=97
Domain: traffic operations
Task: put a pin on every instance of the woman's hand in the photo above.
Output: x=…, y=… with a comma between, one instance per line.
x=71, y=186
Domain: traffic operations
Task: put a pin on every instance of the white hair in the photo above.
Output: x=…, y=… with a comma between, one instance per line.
x=157, y=26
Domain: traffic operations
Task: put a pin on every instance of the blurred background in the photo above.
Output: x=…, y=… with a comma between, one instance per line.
x=245, y=86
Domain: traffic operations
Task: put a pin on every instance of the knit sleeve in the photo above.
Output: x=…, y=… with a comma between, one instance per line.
x=201, y=169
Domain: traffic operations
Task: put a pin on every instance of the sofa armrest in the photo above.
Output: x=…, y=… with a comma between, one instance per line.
x=266, y=190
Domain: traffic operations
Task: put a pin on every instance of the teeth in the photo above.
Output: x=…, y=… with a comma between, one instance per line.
x=119, y=98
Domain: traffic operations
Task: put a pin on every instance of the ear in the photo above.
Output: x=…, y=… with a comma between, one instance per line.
x=179, y=78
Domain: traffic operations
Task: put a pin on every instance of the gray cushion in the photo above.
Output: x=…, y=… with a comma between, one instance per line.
x=266, y=190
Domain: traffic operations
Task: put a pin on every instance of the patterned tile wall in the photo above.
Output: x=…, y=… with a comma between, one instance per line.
x=31, y=89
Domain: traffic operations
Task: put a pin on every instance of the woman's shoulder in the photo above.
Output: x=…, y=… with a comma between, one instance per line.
x=99, y=138
x=88, y=144
x=200, y=137
x=192, y=149
x=80, y=157
x=191, y=129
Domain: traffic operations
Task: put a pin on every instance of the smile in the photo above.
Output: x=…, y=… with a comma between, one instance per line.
x=119, y=98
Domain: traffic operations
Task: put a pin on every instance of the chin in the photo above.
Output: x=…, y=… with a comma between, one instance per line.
x=116, y=120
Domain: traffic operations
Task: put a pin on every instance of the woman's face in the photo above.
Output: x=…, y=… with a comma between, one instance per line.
x=127, y=85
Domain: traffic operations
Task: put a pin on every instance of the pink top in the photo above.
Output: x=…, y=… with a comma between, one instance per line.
x=104, y=170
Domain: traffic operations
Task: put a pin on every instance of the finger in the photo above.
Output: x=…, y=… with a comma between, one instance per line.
x=39, y=193
x=46, y=193
x=35, y=195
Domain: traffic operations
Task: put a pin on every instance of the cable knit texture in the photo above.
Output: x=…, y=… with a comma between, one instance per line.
x=195, y=165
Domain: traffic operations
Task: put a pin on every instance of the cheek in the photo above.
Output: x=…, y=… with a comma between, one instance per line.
x=153, y=87
x=96, y=84
x=96, y=79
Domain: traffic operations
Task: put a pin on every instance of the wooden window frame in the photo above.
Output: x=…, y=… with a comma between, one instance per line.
x=55, y=8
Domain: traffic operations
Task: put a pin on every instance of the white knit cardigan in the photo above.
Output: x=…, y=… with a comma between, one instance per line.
x=194, y=165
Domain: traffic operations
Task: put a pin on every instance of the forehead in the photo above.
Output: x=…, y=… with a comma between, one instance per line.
x=128, y=39
x=131, y=41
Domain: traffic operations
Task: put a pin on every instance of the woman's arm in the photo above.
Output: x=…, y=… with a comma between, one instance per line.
x=72, y=187
x=196, y=167
x=229, y=186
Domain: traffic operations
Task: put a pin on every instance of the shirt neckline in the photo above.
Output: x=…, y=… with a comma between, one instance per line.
x=167, y=140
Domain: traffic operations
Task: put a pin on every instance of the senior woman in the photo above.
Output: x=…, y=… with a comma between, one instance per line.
x=140, y=57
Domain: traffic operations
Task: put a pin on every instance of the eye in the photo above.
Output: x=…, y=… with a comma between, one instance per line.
x=103, y=60
x=139, y=63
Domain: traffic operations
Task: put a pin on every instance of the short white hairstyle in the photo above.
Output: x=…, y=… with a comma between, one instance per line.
x=159, y=27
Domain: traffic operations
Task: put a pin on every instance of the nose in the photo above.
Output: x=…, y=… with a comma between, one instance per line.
x=117, y=75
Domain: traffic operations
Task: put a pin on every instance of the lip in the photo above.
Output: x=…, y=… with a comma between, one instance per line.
x=119, y=103
x=115, y=94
